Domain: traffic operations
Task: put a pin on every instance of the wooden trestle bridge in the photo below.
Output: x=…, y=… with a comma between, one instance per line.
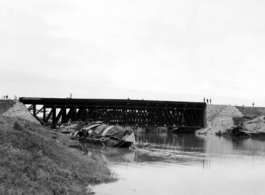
x=54, y=111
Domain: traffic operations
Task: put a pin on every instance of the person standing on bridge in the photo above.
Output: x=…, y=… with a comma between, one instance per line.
x=207, y=101
x=210, y=101
x=203, y=99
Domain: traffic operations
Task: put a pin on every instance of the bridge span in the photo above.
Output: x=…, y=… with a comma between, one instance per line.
x=54, y=111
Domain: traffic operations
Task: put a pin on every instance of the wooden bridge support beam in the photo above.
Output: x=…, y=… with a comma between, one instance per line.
x=49, y=116
x=70, y=114
x=44, y=114
x=64, y=116
x=33, y=109
x=54, y=117
x=40, y=110
x=81, y=113
x=58, y=117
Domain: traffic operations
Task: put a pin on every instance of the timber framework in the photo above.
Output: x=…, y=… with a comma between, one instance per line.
x=54, y=111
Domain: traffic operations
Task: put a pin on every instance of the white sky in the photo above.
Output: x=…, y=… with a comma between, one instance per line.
x=181, y=50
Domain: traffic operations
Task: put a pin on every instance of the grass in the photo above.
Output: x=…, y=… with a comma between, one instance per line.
x=34, y=162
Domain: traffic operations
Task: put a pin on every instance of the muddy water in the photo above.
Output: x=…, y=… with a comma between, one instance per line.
x=200, y=165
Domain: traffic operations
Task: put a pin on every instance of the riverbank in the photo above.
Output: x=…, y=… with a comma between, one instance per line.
x=37, y=160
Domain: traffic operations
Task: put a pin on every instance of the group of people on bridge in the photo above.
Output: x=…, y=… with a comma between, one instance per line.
x=208, y=101
x=5, y=97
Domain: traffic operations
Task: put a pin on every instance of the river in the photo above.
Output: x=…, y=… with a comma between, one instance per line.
x=197, y=165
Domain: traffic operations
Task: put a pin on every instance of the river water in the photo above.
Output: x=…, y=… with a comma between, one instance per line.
x=189, y=165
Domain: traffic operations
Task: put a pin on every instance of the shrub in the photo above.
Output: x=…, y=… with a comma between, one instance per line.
x=17, y=126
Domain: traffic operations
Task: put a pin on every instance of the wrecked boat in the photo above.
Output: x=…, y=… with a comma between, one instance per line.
x=235, y=130
x=240, y=131
x=107, y=135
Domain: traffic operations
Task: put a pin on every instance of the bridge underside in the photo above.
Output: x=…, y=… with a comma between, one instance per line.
x=54, y=111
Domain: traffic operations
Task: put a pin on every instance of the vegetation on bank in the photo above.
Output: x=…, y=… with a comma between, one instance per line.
x=34, y=161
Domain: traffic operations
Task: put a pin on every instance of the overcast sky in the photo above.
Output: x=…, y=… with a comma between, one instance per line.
x=181, y=50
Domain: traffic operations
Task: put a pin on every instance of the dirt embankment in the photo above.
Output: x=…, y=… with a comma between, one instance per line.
x=16, y=109
x=251, y=111
x=222, y=117
x=5, y=105
x=36, y=160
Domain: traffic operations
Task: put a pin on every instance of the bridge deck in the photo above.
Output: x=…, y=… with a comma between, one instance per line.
x=118, y=111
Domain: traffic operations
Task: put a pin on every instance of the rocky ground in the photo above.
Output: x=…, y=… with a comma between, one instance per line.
x=12, y=108
x=222, y=117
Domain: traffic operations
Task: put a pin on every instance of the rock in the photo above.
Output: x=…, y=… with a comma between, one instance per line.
x=220, y=117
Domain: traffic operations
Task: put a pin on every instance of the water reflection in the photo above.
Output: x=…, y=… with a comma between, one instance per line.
x=108, y=154
x=182, y=142
x=183, y=149
x=210, y=164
